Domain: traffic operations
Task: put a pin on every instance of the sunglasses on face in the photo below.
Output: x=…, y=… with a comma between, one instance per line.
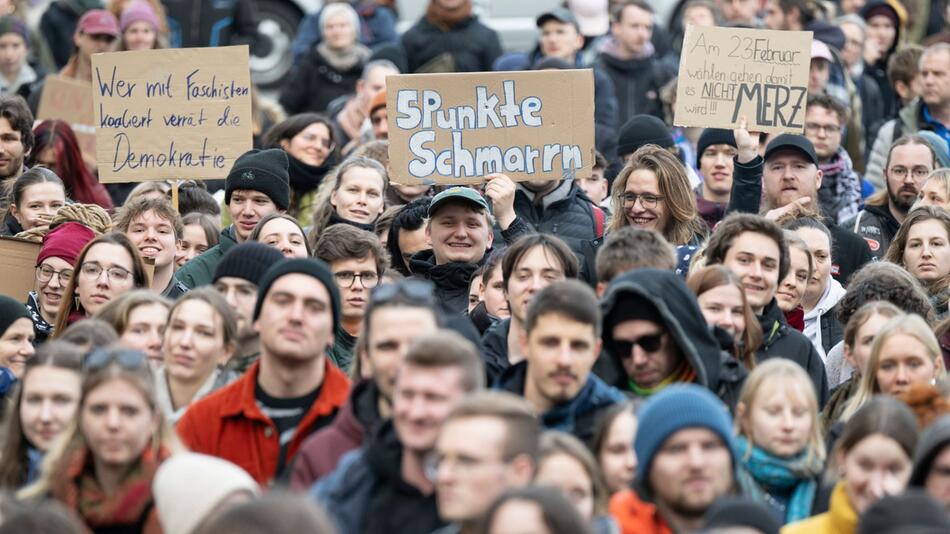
x=650, y=343
x=101, y=358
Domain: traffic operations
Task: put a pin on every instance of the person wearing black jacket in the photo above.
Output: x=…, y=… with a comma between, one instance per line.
x=754, y=248
x=785, y=186
x=461, y=232
x=450, y=39
x=655, y=335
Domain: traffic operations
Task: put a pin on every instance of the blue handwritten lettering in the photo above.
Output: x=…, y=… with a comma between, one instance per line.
x=214, y=90
x=113, y=87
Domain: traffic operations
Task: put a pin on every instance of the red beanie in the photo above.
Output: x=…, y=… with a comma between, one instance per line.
x=65, y=241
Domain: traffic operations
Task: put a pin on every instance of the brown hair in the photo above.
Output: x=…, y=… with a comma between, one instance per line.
x=880, y=415
x=14, y=463
x=259, y=227
x=895, y=252
x=824, y=100
x=70, y=303
x=117, y=311
x=630, y=248
x=739, y=223
x=684, y=222
x=904, y=64
x=211, y=297
x=137, y=207
x=572, y=299
x=522, y=430
x=207, y=225
x=554, y=442
x=865, y=312
x=344, y=242
x=713, y=276
x=553, y=247
x=446, y=348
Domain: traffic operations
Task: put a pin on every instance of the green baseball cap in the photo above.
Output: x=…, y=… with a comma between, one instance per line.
x=458, y=194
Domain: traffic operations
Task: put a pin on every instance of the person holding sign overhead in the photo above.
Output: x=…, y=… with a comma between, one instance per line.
x=258, y=185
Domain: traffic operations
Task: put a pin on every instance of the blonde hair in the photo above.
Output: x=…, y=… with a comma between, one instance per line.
x=72, y=439
x=941, y=175
x=906, y=324
x=684, y=223
x=791, y=373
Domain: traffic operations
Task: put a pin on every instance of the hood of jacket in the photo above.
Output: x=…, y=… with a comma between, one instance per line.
x=359, y=415
x=452, y=275
x=594, y=396
x=677, y=307
x=899, y=14
x=884, y=215
x=931, y=443
x=829, y=299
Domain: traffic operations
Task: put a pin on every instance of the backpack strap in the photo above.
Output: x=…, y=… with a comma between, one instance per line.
x=599, y=221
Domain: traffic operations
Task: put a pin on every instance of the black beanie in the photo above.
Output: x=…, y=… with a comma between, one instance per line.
x=913, y=511
x=248, y=261
x=734, y=512
x=264, y=171
x=713, y=136
x=643, y=130
x=10, y=311
x=308, y=266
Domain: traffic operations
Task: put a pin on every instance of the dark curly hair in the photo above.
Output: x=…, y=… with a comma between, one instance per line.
x=888, y=282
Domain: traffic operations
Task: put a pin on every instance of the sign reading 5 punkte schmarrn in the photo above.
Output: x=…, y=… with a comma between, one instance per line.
x=176, y=113
x=730, y=73
x=458, y=128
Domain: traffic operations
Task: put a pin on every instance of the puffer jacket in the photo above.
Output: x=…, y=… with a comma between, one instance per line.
x=637, y=81
x=877, y=226
x=682, y=318
x=568, y=214
x=781, y=341
x=473, y=46
x=580, y=415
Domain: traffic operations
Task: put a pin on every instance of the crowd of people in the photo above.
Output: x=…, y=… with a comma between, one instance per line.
x=716, y=331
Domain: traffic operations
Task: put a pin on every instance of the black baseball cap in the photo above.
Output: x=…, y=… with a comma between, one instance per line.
x=560, y=14
x=792, y=142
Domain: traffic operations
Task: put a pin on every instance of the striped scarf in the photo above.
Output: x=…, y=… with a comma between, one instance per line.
x=762, y=473
x=683, y=374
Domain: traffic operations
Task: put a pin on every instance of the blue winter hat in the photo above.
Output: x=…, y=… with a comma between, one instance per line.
x=675, y=408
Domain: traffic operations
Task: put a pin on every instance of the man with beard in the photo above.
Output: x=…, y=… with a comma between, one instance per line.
x=561, y=342
x=16, y=140
x=909, y=161
x=685, y=462
x=236, y=278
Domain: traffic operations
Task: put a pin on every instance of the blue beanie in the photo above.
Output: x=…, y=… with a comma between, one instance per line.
x=675, y=408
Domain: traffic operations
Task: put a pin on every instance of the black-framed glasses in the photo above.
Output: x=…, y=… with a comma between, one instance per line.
x=101, y=358
x=346, y=279
x=92, y=270
x=45, y=273
x=649, y=343
x=646, y=200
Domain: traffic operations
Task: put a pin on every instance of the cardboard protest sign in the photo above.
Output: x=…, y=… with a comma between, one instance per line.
x=176, y=113
x=730, y=73
x=18, y=265
x=457, y=128
x=70, y=100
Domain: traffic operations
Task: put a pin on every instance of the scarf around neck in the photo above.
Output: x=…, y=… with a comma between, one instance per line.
x=345, y=59
x=763, y=473
x=684, y=374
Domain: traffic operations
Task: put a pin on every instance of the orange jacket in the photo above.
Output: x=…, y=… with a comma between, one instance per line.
x=228, y=423
x=634, y=516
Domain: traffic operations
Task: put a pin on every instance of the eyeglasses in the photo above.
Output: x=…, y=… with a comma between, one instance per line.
x=650, y=343
x=92, y=270
x=463, y=464
x=101, y=358
x=919, y=173
x=45, y=273
x=412, y=291
x=646, y=200
x=346, y=279
x=827, y=128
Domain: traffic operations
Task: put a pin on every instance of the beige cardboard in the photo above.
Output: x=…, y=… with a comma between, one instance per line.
x=154, y=123
x=551, y=112
x=730, y=73
x=18, y=265
x=70, y=100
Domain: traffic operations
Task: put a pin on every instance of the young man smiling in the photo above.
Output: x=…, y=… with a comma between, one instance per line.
x=154, y=227
x=258, y=185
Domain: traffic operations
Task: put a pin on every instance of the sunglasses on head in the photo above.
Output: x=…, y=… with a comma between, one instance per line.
x=650, y=343
x=101, y=358
x=414, y=291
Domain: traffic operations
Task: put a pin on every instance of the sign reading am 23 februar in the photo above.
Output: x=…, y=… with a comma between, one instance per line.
x=176, y=113
x=727, y=74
